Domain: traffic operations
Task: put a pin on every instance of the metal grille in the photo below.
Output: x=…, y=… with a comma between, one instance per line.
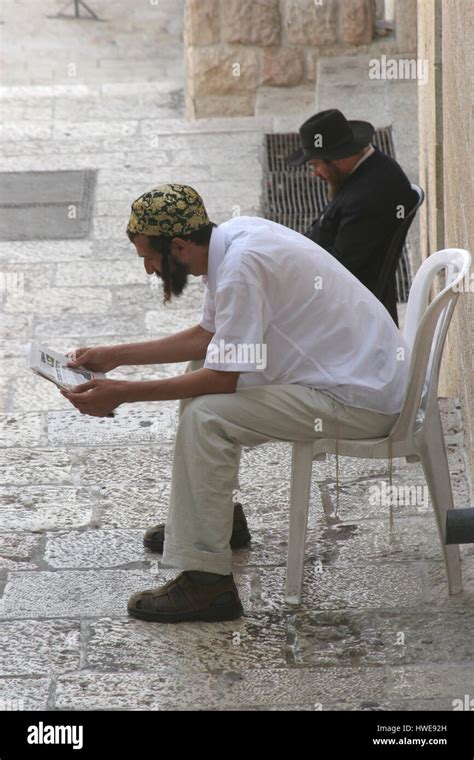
x=295, y=198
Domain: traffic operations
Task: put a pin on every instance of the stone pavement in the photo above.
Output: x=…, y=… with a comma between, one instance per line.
x=376, y=629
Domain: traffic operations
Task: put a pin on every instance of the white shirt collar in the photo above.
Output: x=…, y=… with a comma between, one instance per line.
x=215, y=257
x=364, y=158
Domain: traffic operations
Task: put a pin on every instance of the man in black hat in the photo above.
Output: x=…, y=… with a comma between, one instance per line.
x=369, y=195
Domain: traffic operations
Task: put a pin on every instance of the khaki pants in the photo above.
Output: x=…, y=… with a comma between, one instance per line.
x=210, y=434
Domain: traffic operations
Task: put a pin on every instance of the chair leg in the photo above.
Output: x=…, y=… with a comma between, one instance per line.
x=435, y=466
x=301, y=466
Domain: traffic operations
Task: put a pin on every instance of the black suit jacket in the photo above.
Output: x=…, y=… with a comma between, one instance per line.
x=358, y=225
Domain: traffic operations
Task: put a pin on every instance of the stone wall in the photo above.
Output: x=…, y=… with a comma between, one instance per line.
x=446, y=106
x=235, y=46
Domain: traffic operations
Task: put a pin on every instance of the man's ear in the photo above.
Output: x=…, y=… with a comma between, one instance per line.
x=179, y=248
x=178, y=245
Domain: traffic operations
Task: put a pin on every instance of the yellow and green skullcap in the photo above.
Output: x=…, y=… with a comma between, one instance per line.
x=170, y=210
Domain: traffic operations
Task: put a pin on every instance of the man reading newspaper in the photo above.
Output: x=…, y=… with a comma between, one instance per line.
x=290, y=346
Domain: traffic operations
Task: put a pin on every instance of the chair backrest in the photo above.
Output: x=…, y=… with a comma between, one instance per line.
x=426, y=325
x=392, y=256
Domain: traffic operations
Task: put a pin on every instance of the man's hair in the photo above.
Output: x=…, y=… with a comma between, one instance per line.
x=162, y=245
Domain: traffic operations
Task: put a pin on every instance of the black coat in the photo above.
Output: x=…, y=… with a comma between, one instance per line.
x=358, y=225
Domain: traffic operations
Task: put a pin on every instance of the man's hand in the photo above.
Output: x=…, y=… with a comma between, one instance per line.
x=99, y=359
x=98, y=397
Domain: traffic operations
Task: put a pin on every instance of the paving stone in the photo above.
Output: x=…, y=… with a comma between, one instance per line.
x=96, y=548
x=415, y=538
x=51, y=250
x=336, y=544
x=254, y=688
x=15, y=325
x=21, y=429
x=17, y=551
x=112, y=325
x=130, y=425
x=56, y=647
x=83, y=593
x=93, y=128
x=111, y=227
x=112, y=272
x=132, y=506
x=42, y=466
x=397, y=584
x=254, y=641
x=140, y=465
x=348, y=637
x=41, y=508
x=169, y=321
x=28, y=277
x=25, y=693
x=33, y=392
x=437, y=588
x=19, y=130
x=447, y=681
x=60, y=301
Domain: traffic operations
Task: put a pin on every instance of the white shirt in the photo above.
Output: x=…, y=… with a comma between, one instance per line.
x=283, y=310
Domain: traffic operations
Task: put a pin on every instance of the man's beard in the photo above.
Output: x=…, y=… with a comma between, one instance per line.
x=177, y=278
x=336, y=181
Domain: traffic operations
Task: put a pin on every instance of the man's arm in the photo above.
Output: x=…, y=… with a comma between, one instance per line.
x=99, y=397
x=191, y=384
x=180, y=347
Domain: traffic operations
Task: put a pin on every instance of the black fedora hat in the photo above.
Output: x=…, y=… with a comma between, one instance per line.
x=328, y=134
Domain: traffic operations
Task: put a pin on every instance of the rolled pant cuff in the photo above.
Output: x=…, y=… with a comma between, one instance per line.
x=188, y=558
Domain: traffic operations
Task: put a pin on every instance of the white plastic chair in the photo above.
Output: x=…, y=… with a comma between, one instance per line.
x=417, y=433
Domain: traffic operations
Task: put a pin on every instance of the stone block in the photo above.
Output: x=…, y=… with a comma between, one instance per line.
x=20, y=429
x=24, y=466
x=41, y=508
x=251, y=22
x=308, y=23
x=283, y=67
x=131, y=424
x=357, y=21
x=25, y=693
x=60, y=301
x=245, y=689
x=142, y=464
x=254, y=641
x=346, y=637
x=95, y=548
x=16, y=553
x=202, y=23
x=224, y=70
x=84, y=273
x=366, y=586
x=56, y=649
x=124, y=506
x=224, y=105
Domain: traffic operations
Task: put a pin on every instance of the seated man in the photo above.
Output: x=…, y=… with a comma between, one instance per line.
x=291, y=346
x=369, y=195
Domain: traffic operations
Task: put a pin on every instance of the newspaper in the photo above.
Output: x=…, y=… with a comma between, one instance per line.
x=52, y=365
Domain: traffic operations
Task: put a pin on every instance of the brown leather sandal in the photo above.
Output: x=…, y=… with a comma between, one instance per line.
x=183, y=599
